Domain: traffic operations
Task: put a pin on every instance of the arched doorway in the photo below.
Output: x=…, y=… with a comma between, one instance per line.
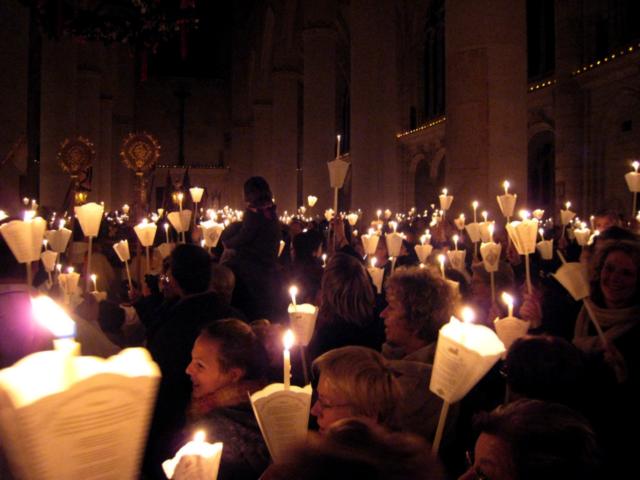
x=541, y=171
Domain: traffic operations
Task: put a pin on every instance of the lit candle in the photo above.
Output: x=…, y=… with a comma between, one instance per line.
x=468, y=315
x=94, y=281
x=50, y=315
x=484, y=214
x=207, y=459
x=324, y=260
x=474, y=204
x=125, y=209
x=338, y=146
x=426, y=238
x=455, y=242
x=287, y=341
x=166, y=231
x=441, y=261
x=508, y=299
x=506, y=184
x=293, y=291
x=491, y=229
x=180, y=197
x=378, y=213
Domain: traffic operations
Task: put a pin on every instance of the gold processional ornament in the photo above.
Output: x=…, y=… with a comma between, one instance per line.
x=76, y=156
x=140, y=152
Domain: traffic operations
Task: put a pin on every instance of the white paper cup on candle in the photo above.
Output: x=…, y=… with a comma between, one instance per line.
x=302, y=319
x=545, y=249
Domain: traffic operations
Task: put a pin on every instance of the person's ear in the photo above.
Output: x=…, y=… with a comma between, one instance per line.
x=236, y=374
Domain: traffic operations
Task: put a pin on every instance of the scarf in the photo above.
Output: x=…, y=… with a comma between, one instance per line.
x=228, y=396
x=615, y=323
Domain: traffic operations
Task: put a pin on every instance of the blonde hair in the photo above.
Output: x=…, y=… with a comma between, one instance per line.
x=346, y=290
x=363, y=376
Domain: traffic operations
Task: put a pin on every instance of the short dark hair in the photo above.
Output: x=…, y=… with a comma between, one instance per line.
x=544, y=367
x=546, y=440
x=239, y=347
x=191, y=268
x=257, y=192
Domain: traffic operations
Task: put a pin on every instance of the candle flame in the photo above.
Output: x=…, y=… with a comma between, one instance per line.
x=445, y=191
x=455, y=239
x=70, y=269
x=475, y=204
x=93, y=277
x=374, y=260
x=288, y=339
x=293, y=290
x=468, y=315
x=568, y=205
x=51, y=316
x=28, y=215
x=508, y=299
x=491, y=227
x=441, y=259
x=636, y=165
x=524, y=214
x=506, y=186
x=199, y=436
x=62, y=223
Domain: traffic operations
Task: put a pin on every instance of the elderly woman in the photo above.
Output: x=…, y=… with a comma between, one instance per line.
x=227, y=365
x=530, y=439
x=346, y=315
x=354, y=382
x=419, y=303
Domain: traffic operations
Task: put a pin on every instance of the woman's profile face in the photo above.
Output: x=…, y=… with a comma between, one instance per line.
x=491, y=460
x=332, y=404
x=207, y=375
x=619, y=280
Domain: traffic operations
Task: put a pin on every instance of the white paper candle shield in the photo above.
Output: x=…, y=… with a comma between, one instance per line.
x=370, y=243
x=90, y=215
x=485, y=231
x=283, y=417
x=69, y=282
x=573, y=276
x=490, y=253
x=122, y=250
x=465, y=352
x=48, y=258
x=473, y=230
x=211, y=232
x=566, y=216
x=24, y=238
x=456, y=259
x=302, y=319
x=50, y=419
x=582, y=236
x=329, y=214
x=445, y=201
x=165, y=249
x=146, y=233
x=545, y=249
x=311, y=200
x=352, y=218
x=377, y=277
x=423, y=252
x=58, y=239
x=180, y=220
x=394, y=243
x=633, y=181
x=507, y=203
x=523, y=234
x=196, y=194
x=338, y=169
x=509, y=329
x=196, y=460
x=538, y=214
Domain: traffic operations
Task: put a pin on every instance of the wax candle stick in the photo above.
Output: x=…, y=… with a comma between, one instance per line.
x=94, y=281
x=508, y=300
x=474, y=204
x=287, y=341
x=441, y=259
x=293, y=291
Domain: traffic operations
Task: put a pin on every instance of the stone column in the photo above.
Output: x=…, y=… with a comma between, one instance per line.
x=285, y=139
x=486, y=104
x=375, y=121
x=568, y=109
x=319, y=100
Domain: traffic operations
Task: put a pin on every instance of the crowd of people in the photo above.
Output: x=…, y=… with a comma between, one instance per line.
x=562, y=404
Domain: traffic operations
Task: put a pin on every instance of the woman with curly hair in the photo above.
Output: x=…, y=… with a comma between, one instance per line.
x=419, y=303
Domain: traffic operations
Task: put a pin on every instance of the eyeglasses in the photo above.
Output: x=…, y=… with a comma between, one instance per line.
x=477, y=472
x=324, y=405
